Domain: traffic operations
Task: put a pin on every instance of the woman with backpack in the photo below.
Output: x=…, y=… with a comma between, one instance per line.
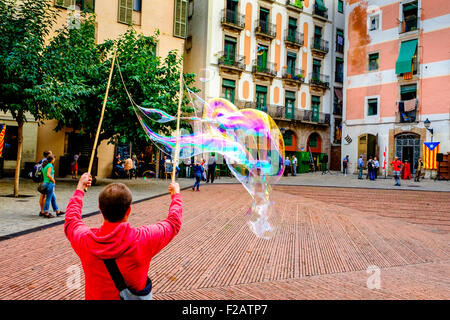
x=48, y=172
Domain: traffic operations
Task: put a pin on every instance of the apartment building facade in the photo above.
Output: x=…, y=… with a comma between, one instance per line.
x=113, y=18
x=276, y=56
x=397, y=76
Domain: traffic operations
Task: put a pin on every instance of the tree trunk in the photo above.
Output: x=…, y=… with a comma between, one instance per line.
x=19, y=120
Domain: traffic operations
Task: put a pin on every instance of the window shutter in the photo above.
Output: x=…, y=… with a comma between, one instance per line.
x=180, y=19
x=125, y=11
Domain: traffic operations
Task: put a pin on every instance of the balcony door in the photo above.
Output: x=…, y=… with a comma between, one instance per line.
x=262, y=57
x=291, y=57
x=228, y=89
x=290, y=104
x=232, y=10
x=230, y=50
x=317, y=37
x=264, y=20
x=261, y=98
x=292, y=31
x=315, y=107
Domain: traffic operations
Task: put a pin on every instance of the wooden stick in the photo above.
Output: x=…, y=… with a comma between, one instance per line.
x=177, y=145
x=102, y=114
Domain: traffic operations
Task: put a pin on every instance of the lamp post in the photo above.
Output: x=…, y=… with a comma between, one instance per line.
x=427, y=124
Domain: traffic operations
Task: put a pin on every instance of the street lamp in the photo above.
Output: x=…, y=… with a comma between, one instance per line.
x=427, y=124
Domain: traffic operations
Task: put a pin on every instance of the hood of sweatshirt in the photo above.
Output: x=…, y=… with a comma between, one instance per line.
x=111, y=240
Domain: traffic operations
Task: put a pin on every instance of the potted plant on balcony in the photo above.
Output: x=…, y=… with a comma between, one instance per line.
x=300, y=77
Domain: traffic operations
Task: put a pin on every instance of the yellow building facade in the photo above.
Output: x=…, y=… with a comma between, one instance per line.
x=113, y=18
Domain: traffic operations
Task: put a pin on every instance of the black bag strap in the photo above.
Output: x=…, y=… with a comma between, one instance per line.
x=115, y=274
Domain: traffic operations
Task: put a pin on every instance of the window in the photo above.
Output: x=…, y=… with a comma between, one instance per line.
x=406, y=63
x=292, y=29
x=340, y=40
x=290, y=63
x=230, y=50
x=83, y=5
x=373, y=61
x=228, y=89
x=339, y=75
x=410, y=21
x=10, y=143
x=125, y=11
x=408, y=103
x=315, y=106
x=317, y=64
x=262, y=58
x=290, y=104
x=374, y=22
x=372, y=107
x=261, y=98
x=341, y=6
x=287, y=137
x=264, y=20
x=180, y=19
x=137, y=5
x=232, y=11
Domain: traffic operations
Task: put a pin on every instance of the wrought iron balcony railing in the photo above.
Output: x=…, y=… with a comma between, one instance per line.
x=268, y=68
x=231, y=61
x=294, y=38
x=233, y=18
x=294, y=114
x=265, y=28
x=319, y=79
x=294, y=74
x=320, y=44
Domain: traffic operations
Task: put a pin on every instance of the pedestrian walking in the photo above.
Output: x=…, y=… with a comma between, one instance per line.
x=345, y=163
x=397, y=165
x=49, y=182
x=205, y=168
x=198, y=170
x=376, y=167
x=418, y=166
x=116, y=256
x=294, y=165
x=360, y=166
x=42, y=197
x=212, y=162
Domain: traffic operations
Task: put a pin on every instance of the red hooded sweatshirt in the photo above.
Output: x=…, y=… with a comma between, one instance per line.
x=133, y=248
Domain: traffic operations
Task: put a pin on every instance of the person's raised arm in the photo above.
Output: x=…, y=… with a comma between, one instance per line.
x=157, y=236
x=74, y=227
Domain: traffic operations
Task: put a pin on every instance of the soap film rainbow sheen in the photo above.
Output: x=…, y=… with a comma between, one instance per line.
x=249, y=140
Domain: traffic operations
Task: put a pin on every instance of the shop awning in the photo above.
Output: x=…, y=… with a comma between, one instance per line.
x=320, y=5
x=404, y=61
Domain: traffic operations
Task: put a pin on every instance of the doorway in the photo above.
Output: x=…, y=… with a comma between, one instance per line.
x=407, y=147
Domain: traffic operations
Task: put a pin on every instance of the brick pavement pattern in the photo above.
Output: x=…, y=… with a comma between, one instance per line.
x=321, y=248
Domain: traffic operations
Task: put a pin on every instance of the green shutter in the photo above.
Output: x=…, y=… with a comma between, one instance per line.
x=339, y=60
x=404, y=61
x=317, y=62
x=290, y=95
x=125, y=11
x=340, y=6
x=339, y=32
x=408, y=89
x=320, y=5
x=180, y=19
x=292, y=22
x=229, y=83
x=261, y=89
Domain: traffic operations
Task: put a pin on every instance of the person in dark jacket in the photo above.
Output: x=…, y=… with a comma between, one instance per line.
x=197, y=169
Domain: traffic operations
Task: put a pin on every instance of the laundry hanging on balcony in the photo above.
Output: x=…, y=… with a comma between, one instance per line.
x=410, y=105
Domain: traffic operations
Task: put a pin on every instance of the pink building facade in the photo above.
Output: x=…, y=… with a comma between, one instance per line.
x=397, y=75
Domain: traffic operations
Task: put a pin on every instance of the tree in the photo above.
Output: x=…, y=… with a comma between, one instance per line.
x=24, y=27
x=77, y=74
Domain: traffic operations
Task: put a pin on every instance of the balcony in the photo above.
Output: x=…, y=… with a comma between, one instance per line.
x=320, y=14
x=319, y=47
x=340, y=47
x=265, y=30
x=264, y=72
x=319, y=81
x=233, y=65
x=293, y=40
x=303, y=116
x=233, y=20
x=294, y=77
x=295, y=5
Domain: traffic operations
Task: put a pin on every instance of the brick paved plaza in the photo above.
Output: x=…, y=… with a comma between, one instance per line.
x=326, y=239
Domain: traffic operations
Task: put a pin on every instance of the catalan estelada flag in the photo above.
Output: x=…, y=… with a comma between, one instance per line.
x=430, y=149
x=2, y=137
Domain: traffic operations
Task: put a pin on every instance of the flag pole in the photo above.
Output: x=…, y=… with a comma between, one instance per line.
x=91, y=161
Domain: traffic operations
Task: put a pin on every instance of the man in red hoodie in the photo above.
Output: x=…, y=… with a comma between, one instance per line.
x=132, y=248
